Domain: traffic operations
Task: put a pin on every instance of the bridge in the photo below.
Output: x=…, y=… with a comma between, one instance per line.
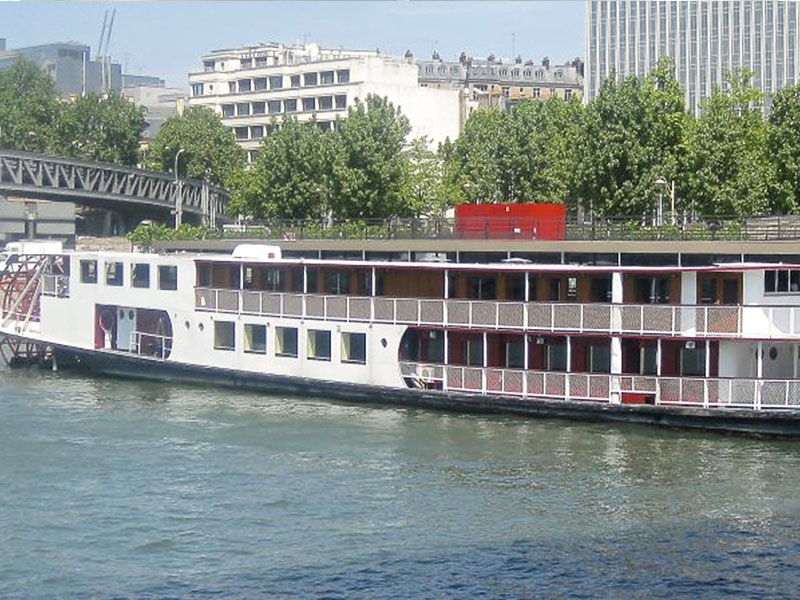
x=42, y=177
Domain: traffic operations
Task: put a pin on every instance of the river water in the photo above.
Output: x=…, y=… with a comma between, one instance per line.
x=116, y=489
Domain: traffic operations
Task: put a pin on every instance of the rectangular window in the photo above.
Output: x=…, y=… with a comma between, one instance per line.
x=243, y=109
x=290, y=105
x=600, y=359
x=781, y=281
x=256, y=132
x=88, y=271
x=167, y=277
x=255, y=338
x=241, y=133
x=228, y=111
x=114, y=273
x=295, y=80
x=232, y=87
x=693, y=361
x=319, y=344
x=515, y=354
x=261, y=83
x=276, y=82
x=557, y=357
x=140, y=275
x=474, y=351
x=197, y=89
x=343, y=76
x=247, y=63
x=259, y=108
x=286, y=341
x=274, y=106
x=326, y=77
x=309, y=104
x=309, y=79
x=224, y=335
x=354, y=348
x=245, y=85
x=341, y=101
x=325, y=102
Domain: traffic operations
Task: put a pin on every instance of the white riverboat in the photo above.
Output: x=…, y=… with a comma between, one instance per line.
x=699, y=343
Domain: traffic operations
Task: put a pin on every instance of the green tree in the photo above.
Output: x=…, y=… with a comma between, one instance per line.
x=729, y=170
x=783, y=144
x=368, y=165
x=210, y=148
x=106, y=129
x=29, y=108
x=426, y=190
x=291, y=177
x=633, y=134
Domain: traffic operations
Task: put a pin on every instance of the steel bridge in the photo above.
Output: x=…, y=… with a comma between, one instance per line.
x=43, y=177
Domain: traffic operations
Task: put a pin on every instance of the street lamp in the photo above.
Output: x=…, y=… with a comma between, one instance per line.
x=670, y=187
x=178, y=192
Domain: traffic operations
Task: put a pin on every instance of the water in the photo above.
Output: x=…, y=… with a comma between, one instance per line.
x=115, y=489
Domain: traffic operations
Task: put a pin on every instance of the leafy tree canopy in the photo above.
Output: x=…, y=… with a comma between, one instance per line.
x=783, y=146
x=29, y=108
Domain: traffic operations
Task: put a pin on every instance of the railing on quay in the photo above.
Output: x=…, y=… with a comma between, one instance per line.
x=785, y=227
x=734, y=322
x=754, y=394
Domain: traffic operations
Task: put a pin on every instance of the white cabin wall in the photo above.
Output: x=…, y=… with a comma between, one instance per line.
x=737, y=359
x=688, y=287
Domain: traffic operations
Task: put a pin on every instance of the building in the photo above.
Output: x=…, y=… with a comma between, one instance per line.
x=160, y=102
x=707, y=39
x=254, y=87
x=70, y=65
x=500, y=82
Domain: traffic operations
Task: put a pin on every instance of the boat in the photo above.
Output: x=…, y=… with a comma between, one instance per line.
x=621, y=334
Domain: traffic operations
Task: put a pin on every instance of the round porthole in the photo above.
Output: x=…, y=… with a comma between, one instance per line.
x=384, y=343
x=187, y=325
x=122, y=315
x=773, y=353
x=201, y=327
x=130, y=315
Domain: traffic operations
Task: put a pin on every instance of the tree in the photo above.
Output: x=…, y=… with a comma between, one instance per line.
x=729, y=171
x=633, y=135
x=210, y=148
x=426, y=190
x=368, y=165
x=106, y=129
x=474, y=160
x=783, y=144
x=29, y=108
x=291, y=177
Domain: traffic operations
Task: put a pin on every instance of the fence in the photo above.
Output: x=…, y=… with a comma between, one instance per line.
x=754, y=394
x=734, y=322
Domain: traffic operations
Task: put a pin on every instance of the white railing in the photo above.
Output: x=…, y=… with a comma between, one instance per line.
x=735, y=322
x=755, y=394
x=151, y=344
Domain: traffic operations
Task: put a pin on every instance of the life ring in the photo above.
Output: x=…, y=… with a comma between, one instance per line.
x=106, y=321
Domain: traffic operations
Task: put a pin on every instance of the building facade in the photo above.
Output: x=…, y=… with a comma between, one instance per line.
x=499, y=83
x=706, y=38
x=70, y=65
x=253, y=88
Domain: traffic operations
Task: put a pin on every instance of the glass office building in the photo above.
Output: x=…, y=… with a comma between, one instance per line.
x=706, y=38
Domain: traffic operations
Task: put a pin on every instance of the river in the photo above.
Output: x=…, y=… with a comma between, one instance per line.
x=117, y=489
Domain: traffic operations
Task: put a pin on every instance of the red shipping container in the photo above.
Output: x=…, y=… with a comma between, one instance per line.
x=511, y=221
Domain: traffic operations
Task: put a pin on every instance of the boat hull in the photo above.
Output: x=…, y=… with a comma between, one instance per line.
x=759, y=423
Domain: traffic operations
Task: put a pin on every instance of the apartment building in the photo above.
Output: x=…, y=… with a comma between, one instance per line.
x=499, y=83
x=707, y=39
x=254, y=87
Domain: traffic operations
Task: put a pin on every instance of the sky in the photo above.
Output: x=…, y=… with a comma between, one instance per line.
x=168, y=38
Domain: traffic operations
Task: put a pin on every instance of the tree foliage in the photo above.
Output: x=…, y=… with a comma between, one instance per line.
x=729, y=171
x=426, y=192
x=29, y=109
x=106, y=129
x=783, y=146
x=633, y=135
x=210, y=150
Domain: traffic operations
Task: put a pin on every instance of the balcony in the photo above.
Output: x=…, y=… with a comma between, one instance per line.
x=659, y=320
x=753, y=394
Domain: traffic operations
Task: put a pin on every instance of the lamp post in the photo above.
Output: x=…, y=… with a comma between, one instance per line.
x=670, y=187
x=178, y=192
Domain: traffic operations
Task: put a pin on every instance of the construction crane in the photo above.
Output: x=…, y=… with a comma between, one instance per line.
x=102, y=51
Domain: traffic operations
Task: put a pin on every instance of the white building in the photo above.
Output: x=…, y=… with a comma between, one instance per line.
x=707, y=39
x=254, y=87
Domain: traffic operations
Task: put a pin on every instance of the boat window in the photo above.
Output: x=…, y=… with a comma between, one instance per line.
x=167, y=277
x=319, y=344
x=140, y=275
x=255, y=338
x=286, y=341
x=557, y=357
x=354, y=348
x=781, y=281
x=693, y=361
x=337, y=282
x=515, y=287
x=203, y=275
x=600, y=359
x=473, y=350
x=482, y=288
x=515, y=354
x=88, y=271
x=224, y=335
x=114, y=273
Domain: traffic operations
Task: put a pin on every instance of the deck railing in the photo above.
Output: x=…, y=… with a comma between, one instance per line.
x=55, y=285
x=692, y=321
x=755, y=394
x=151, y=344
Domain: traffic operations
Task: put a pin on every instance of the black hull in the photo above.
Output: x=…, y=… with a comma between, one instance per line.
x=767, y=423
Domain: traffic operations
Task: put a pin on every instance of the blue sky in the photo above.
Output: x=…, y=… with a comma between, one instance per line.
x=168, y=38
